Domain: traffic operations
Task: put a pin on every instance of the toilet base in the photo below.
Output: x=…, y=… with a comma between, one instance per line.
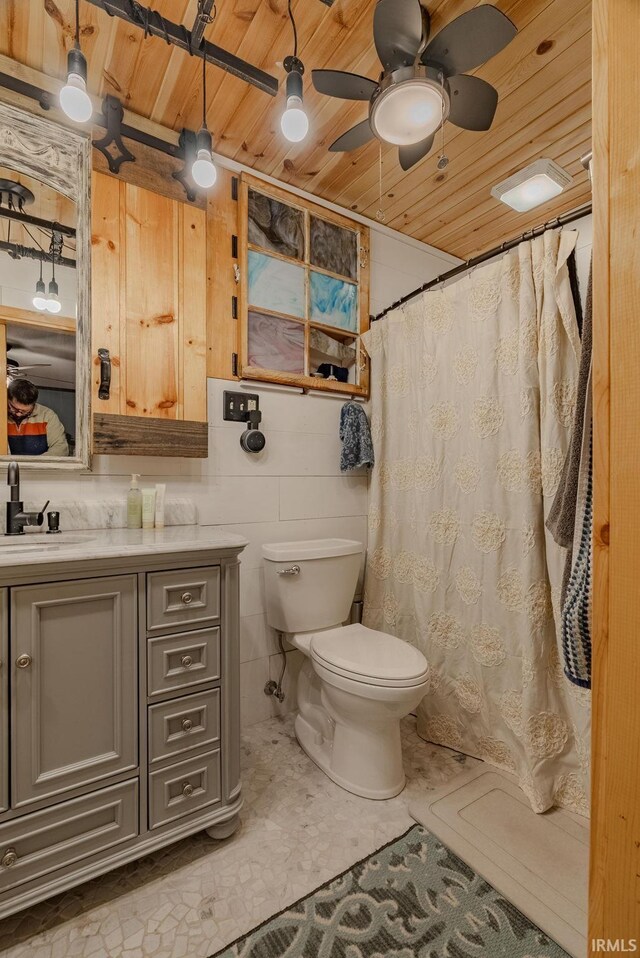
x=320, y=751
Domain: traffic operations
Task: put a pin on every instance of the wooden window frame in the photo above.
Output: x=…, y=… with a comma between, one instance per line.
x=302, y=380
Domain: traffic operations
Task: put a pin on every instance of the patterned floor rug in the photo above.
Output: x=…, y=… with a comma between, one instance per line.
x=413, y=898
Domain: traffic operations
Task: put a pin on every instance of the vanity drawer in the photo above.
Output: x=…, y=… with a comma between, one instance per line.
x=182, y=661
x=35, y=844
x=180, y=725
x=186, y=598
x=184, y=788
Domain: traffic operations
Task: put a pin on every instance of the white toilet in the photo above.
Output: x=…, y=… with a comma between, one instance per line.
x=355, y=684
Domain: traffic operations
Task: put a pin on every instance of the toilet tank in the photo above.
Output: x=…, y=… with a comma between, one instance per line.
x=320, y=594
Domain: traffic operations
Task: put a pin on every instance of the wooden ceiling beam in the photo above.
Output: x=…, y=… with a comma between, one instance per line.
x=178, y=35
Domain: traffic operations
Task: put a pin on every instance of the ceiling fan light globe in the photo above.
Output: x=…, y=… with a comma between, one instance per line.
x=203, y=171
x=74, y=99
x=408, y=112
x=294, y=122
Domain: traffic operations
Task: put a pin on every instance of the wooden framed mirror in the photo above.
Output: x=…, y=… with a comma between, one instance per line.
x=45, y=321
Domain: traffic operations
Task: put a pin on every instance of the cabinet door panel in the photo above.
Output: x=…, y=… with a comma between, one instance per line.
x=74, y=684
x=151, y=289
x=4, y=702
x=68, y=832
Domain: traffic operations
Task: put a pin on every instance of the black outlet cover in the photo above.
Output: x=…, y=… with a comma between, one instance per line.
x=237, y=406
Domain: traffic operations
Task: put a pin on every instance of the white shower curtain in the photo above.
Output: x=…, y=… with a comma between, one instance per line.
x=473, y=388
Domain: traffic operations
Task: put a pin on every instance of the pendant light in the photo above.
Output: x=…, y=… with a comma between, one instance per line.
x=74, y=99
x=53, y=304
x=40, y=299
x=294, y=123
x=203, y=171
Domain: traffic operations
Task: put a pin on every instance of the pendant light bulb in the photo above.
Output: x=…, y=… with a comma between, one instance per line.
x=74, y=99
x=294, y=122
x=53, y=301
x=203, y=171
x=40, y=299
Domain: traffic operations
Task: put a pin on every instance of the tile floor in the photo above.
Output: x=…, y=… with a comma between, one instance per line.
x=298, y=830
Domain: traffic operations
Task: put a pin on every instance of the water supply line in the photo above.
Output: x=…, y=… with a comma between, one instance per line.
x=275, y=688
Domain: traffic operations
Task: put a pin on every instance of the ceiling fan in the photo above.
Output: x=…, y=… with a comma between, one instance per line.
x=16, y=371
x=423, y=81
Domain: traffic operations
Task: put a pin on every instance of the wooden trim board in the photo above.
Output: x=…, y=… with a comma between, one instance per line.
x=142, y=436
x=614, y=895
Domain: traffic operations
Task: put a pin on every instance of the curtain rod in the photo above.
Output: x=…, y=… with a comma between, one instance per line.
x=561, y=220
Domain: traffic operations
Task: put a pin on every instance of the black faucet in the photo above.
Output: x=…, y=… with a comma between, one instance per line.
x=17, y=518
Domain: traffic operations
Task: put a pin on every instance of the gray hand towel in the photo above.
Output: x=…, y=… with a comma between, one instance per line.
x=357, y=446
x=562, y=515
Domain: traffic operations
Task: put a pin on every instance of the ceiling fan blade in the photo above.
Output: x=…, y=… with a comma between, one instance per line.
x=346, y=86
x=469, y=40
x=397, y=32
x=357, y=136
x=410, y=155
x=473, y=102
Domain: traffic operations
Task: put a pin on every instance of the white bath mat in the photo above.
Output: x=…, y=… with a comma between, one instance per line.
x=538, y=862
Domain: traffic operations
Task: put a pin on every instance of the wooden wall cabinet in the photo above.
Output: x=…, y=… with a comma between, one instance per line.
x=149, y=298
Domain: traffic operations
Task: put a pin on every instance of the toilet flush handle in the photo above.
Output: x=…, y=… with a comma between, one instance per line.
x=292, y=570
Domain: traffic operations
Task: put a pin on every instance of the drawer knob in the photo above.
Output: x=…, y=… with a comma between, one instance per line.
x=187, y=789
x=9, y=858
x=186, y=661
x=187, y=725
x=187, y=598
x=23, y=661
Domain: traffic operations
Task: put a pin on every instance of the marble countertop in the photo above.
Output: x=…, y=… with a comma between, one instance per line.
x=39, y=548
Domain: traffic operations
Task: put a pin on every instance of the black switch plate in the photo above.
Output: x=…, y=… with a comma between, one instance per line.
x=237, y=406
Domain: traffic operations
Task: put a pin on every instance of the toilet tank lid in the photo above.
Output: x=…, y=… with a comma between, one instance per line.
x=310, y=549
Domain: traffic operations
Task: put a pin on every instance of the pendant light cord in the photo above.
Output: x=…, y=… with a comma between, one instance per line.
x=78, y=24
x=295, y=31
x=204, y=91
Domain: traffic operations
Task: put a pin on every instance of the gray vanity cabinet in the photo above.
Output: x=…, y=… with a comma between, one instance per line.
x=119, y=708
x=4, y=701
x=73, y=685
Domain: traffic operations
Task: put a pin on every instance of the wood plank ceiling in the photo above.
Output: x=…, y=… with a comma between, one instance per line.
x=543, y=78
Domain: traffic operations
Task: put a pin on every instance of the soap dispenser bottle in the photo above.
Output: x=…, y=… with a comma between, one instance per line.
x=134, y=504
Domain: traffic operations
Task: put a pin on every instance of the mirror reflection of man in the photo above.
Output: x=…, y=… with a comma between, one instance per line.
x=32, y=429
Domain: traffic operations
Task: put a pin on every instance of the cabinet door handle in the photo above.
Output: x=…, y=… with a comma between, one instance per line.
x=187, y=725
x=105, y=373
x=9, y=858
x=187, y=789
x=186, y=661
x=187, y=598
x=24, y=661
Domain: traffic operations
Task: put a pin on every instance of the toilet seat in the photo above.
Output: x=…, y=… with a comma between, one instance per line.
x=369, y=657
